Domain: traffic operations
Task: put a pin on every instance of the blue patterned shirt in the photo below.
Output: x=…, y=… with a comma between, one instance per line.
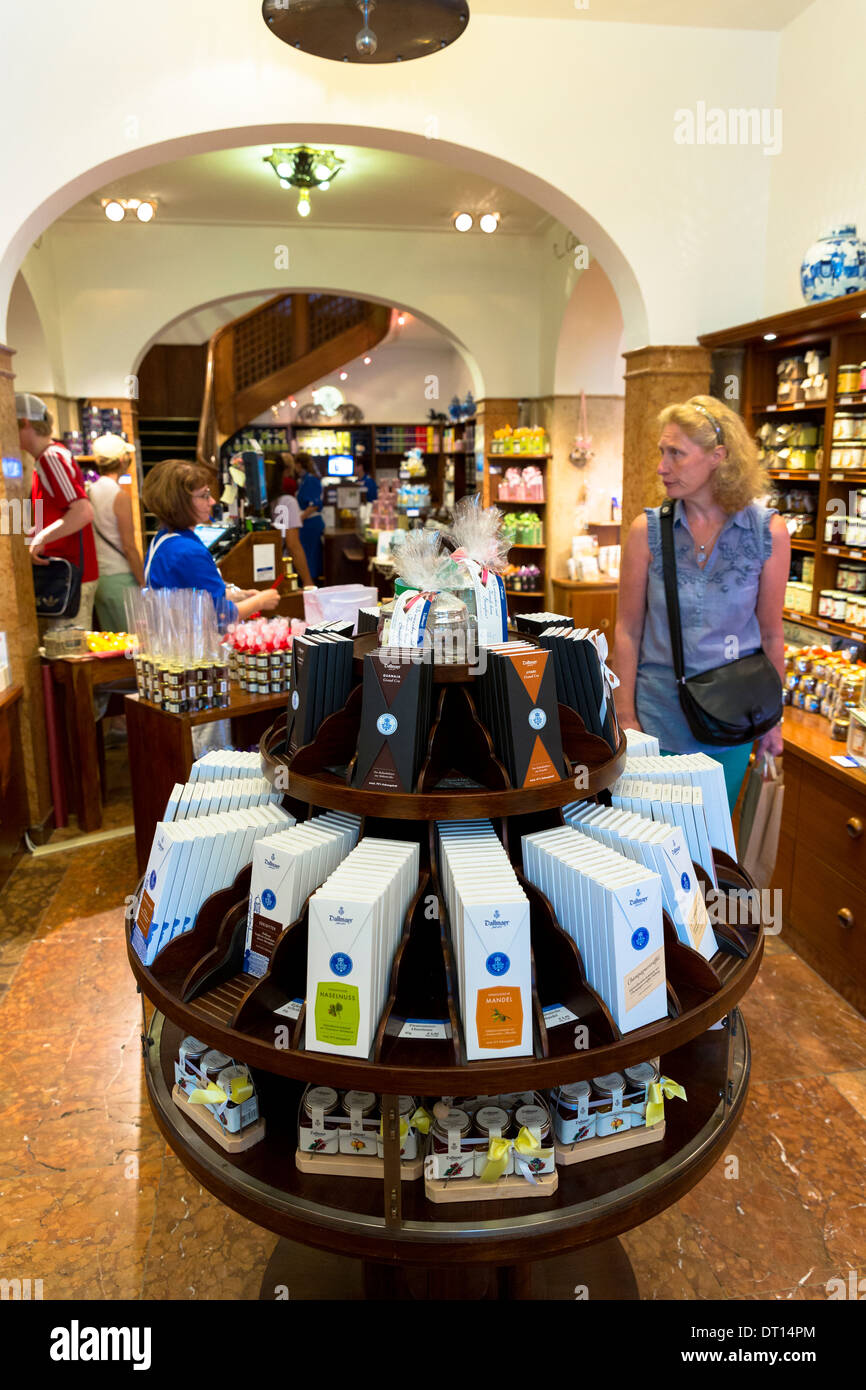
x=717, y=613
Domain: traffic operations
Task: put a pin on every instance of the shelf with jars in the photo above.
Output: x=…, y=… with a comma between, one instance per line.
x=439, y=1134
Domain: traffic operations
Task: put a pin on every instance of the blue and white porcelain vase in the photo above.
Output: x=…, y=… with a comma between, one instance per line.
x=834, y=266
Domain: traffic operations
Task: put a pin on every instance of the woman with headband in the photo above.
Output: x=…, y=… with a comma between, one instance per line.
x=732, y=562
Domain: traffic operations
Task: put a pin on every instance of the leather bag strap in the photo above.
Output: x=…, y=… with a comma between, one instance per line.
x=672, y=598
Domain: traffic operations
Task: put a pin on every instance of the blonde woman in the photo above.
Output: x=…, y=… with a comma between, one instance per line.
x=732, y=562
x=120, y=564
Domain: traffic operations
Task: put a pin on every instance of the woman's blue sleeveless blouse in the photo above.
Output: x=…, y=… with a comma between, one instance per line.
x=717, y=611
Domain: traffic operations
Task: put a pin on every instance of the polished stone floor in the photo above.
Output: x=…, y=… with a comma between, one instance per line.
x=95, y=1204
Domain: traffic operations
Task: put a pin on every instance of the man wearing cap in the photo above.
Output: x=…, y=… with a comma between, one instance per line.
x=58, y=487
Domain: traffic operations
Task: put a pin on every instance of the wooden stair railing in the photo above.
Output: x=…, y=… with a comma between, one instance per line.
x=276, y=350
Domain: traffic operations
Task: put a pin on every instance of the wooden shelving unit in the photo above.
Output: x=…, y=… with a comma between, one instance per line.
x=494, y=467
x=198, y=986
x=837, y=328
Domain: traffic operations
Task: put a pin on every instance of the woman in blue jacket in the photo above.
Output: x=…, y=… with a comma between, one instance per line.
x=179, y=495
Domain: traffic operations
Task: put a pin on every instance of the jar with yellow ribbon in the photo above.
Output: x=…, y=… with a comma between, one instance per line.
x=414, y=1121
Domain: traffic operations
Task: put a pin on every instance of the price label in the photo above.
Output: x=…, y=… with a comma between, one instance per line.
x=424, y=1028
x=856, y=554
x=858, y=636
x=771, y=408
x=292, y=1009
x=832, y=550
x=846, y=400
x=813, y=477
x=555, y=1014
x=799, y=405
x=825, y=626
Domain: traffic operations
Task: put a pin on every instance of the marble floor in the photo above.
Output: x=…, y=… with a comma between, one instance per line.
x=95, y=1204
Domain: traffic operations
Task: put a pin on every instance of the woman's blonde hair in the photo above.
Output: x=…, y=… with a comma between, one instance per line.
x=708, y=422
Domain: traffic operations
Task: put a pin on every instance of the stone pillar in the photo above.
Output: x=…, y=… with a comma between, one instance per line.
x=654, y=377
x=17, y=604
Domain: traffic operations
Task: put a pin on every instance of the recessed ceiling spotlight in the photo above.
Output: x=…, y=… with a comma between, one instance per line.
x=489, y=222
x=344, y=376
x=401, y=319
x=293, y=404
x=144, y=212
x=114, y=211
x=463, y=221
x=769, y=337
x=367, y=361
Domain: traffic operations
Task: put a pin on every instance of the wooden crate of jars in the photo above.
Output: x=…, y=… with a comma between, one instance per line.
x=340, y=1133
x=607, y=1114
x=480, y=1134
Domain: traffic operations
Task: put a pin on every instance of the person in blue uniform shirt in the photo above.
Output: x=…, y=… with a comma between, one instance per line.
x=309, y=497
x=179, y=495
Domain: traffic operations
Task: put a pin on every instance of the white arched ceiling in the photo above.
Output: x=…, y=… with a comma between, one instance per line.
x=557, y=203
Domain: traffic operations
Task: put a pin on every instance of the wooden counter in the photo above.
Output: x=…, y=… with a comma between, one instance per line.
x=591, y=603
x=821, y=865
x=77, y=677
x=14, y=812
x=160, y=750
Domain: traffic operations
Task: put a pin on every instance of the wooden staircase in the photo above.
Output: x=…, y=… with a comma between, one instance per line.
x=276, y=350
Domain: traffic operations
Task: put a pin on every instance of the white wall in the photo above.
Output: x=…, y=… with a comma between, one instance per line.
x=32, y=363
x=818, y=180
x=110, y=290
x=578, y=116
x=590, y=347
x=393, y=389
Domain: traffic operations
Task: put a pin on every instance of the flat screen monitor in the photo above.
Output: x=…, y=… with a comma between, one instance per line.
x=211, y=535
x=254, y=482
x=341, y=466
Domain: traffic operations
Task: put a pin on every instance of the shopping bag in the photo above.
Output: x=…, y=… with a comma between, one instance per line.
x=759, y=838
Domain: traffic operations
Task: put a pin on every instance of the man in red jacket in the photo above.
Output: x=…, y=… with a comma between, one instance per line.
x=66, y=513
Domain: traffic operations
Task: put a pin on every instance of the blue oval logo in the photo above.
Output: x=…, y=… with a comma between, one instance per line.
x=340, y=964
x=296, y=699
x=498, y=963
x=537, y=719
x=686, y=882
x=269, y=900
x=639, y=938
x=152, y=879
x=386, y=724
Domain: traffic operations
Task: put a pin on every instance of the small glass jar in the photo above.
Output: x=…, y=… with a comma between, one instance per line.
x=492, y=1122
x=322, y=1098
x=363, y=1101
x=607, y=1093
x=449, y=1131
x=848, y=379
x=534, y=1118
x=572, y=1119
x=212, y=1063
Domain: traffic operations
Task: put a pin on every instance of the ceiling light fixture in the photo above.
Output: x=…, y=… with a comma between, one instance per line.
x=116, y=209
x=367, y=361
x=463, y=221
x=305, y=169
x=344, y=376
x=489, y=222
x=401, y=319
x=327, y=28
x=769, y=337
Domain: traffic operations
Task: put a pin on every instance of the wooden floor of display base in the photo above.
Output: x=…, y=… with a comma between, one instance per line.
x=201, y=1116
x=609, y=1144
x=351, y=1166
x=474, y=1190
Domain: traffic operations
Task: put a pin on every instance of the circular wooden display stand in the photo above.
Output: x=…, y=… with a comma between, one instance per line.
x=410, y=1247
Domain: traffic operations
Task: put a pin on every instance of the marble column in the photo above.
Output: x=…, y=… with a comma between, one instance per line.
x=654, y=377
x=17, y=604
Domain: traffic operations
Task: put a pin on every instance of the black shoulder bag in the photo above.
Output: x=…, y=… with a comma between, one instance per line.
x=730, y=704
x=57, y=585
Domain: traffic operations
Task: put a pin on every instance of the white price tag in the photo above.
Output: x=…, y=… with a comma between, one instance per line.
x=423, y=1028
x=292, y=1009
x=555, y=1014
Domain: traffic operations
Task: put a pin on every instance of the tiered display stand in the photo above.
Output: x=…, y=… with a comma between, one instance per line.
x=526, y=1247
